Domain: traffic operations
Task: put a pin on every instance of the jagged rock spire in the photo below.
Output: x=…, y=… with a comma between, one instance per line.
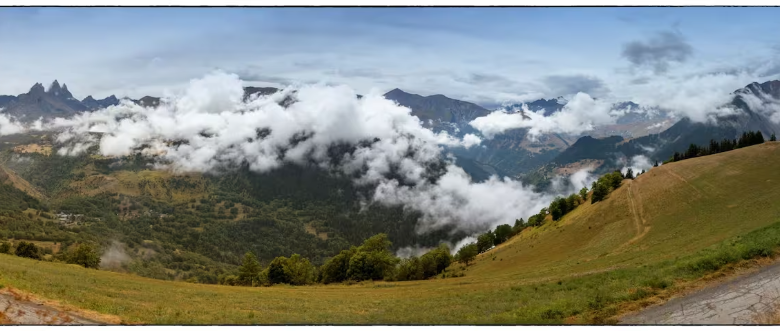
x=54, y=87
x=37, y=88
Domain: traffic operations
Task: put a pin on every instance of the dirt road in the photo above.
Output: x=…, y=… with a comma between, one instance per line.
x=15, y=308
x=734, y=302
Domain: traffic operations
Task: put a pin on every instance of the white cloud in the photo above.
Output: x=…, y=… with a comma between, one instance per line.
x=765, y=104
x=9, y=125
x=454, y=199
x=463, y=242
x=565, y=186
x=699, y=97
x=410, y=251
x=215, y=128
x=637, y=165
x=582, y=113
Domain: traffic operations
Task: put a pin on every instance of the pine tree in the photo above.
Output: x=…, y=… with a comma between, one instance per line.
x=629, y=174
x=773, y=137
x=714, y=147
x=655, y=164
x=249, y=272
x=599, y=192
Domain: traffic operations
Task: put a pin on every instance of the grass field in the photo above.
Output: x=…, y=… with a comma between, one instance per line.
x=654, y=235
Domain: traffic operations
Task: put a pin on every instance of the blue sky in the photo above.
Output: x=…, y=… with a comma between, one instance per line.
x=486, y=55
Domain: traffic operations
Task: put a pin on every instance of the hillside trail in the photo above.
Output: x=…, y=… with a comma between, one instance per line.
x=681, y=178
x=17, y=308
x=736, y=301
x=641, y=225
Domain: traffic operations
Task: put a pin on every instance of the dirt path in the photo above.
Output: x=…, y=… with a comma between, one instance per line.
x=737, y=301
x=675, y=175
x=642, y=227
x=17, y=308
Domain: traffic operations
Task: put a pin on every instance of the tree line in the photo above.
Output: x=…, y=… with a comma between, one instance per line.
x=372, y=260
x=84, y=254
x=748, y=138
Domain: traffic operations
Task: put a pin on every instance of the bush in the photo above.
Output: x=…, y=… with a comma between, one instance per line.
x=467, y=253
x=295, y=270
x=277, y=272
x=28, y=250
x=502, y=233
x=85, y=255
x=409, y=269
x=373, y=260
x=5, y=248
x=301, y=271
x=335, y=269
x=485, y=241
x=231, y=280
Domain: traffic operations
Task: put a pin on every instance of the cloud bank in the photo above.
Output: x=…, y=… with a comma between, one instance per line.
x=582, y=113
x=210, y=127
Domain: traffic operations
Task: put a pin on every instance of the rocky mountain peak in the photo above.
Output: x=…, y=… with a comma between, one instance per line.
x=36, y=89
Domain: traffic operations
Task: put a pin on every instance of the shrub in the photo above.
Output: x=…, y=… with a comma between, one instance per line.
x=28, y=250
x=467, y=253
x=84, y=255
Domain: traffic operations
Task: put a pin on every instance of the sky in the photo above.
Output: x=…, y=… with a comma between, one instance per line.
x=484, y=55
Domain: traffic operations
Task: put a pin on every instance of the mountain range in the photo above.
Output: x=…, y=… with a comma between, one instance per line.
x=641, y=131
x=608, y=153
x=58, y=101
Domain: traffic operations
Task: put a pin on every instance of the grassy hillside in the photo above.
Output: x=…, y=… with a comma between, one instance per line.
x=657, y=233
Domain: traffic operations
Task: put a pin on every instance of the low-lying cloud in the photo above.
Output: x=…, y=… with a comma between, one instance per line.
x=637, y=164
x=565, y=186
x=765, y=104
x=582, y=113
x=9, y=125
x=209, y=127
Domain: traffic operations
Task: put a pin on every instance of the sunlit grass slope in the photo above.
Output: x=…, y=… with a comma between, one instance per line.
x=647, y=235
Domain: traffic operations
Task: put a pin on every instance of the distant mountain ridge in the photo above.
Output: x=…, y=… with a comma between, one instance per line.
x=58, y=101
x=676, y=138
x=506, y=154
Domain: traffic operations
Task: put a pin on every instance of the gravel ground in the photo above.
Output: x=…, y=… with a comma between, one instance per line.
x=737, y=301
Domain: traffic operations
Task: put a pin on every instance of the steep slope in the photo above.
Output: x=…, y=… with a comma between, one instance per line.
x=720, y=196
x=9, y=177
